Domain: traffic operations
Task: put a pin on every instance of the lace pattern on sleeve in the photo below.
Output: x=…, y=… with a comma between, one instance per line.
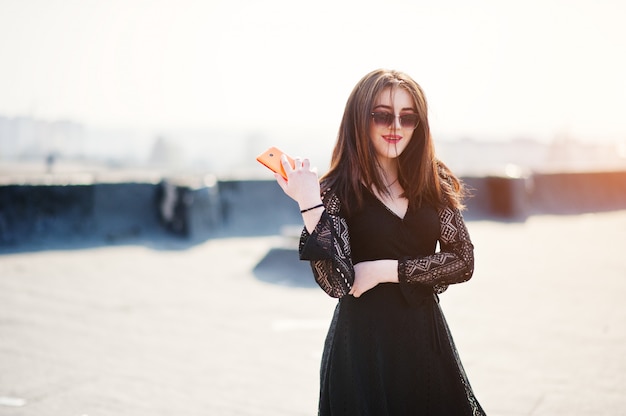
x=453, y=264
x=332, y=265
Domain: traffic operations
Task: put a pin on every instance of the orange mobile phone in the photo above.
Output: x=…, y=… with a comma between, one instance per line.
x=271, y=159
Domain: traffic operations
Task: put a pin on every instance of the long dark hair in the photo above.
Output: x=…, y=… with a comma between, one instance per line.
x=423, y=177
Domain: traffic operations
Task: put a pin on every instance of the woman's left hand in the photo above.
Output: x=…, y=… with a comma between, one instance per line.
x=369, y=274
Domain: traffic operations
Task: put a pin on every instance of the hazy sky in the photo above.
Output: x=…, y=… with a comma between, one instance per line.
x=491, y=69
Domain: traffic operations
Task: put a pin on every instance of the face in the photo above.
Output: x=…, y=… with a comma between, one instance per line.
x=391, y=139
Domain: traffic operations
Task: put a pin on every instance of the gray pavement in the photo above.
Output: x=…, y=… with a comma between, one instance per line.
x=208, y=330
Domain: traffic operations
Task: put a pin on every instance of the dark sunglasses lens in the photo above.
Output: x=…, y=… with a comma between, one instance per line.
x=409, y=121
x=383, y=119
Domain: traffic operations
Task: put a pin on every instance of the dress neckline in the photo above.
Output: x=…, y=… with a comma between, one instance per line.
x=387, y=208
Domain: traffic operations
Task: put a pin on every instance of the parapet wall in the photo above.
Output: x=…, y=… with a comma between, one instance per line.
x=43, y=213
x=500, y=197
x=111, y=212
x=572, y=193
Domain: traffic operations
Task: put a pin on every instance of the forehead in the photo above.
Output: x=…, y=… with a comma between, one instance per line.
x=396, y=97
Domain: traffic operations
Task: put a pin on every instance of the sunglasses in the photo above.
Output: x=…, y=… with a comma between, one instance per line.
x=384, y=119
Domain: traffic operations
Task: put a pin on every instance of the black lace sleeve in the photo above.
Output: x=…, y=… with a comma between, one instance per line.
x=454, y=263
x=328, y=250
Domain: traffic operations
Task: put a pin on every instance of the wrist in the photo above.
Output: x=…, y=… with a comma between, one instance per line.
x=308, y=204
x=311, y=208
x=391, y=272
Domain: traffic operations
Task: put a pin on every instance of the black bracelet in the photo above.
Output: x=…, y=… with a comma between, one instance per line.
x=302, y=211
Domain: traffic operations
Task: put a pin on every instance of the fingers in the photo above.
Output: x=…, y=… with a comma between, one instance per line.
x=299, y=164
x=286, y=165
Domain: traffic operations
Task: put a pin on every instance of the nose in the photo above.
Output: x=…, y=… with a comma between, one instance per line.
x=396, y=125
x=396, y=122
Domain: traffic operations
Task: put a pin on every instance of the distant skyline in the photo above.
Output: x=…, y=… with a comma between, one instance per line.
x=492, y=70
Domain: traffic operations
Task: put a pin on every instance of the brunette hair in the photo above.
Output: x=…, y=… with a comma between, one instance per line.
x=423, y=177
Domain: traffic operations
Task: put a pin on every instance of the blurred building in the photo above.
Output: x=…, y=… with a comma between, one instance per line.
x=475, y=157
x=30, y=138
x=232, y=152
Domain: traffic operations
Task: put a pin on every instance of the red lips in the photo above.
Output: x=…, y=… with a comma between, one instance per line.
x=392, y=138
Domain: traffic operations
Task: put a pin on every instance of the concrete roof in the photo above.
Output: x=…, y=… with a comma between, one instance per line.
x=233, y=326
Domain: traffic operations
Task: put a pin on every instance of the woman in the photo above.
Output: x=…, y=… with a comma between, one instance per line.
x=371, y=232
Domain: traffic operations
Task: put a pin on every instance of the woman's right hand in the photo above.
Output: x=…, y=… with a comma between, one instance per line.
x=302, y=184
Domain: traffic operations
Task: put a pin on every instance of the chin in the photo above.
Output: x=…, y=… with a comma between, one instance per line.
x=393, y=154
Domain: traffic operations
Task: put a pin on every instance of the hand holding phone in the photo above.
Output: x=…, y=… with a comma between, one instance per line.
x=271, y=159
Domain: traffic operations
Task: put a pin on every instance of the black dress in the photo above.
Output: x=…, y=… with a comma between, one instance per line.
x=388, y=352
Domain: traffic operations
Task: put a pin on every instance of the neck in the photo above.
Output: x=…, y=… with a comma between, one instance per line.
x=392, y=183
x=389, y=174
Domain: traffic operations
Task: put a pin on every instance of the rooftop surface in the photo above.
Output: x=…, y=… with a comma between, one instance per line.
x=234, y=326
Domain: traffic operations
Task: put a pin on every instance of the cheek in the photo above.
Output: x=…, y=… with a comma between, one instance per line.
x=372, y=131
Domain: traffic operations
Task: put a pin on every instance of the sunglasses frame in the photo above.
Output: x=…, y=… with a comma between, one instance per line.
x=376, y=117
